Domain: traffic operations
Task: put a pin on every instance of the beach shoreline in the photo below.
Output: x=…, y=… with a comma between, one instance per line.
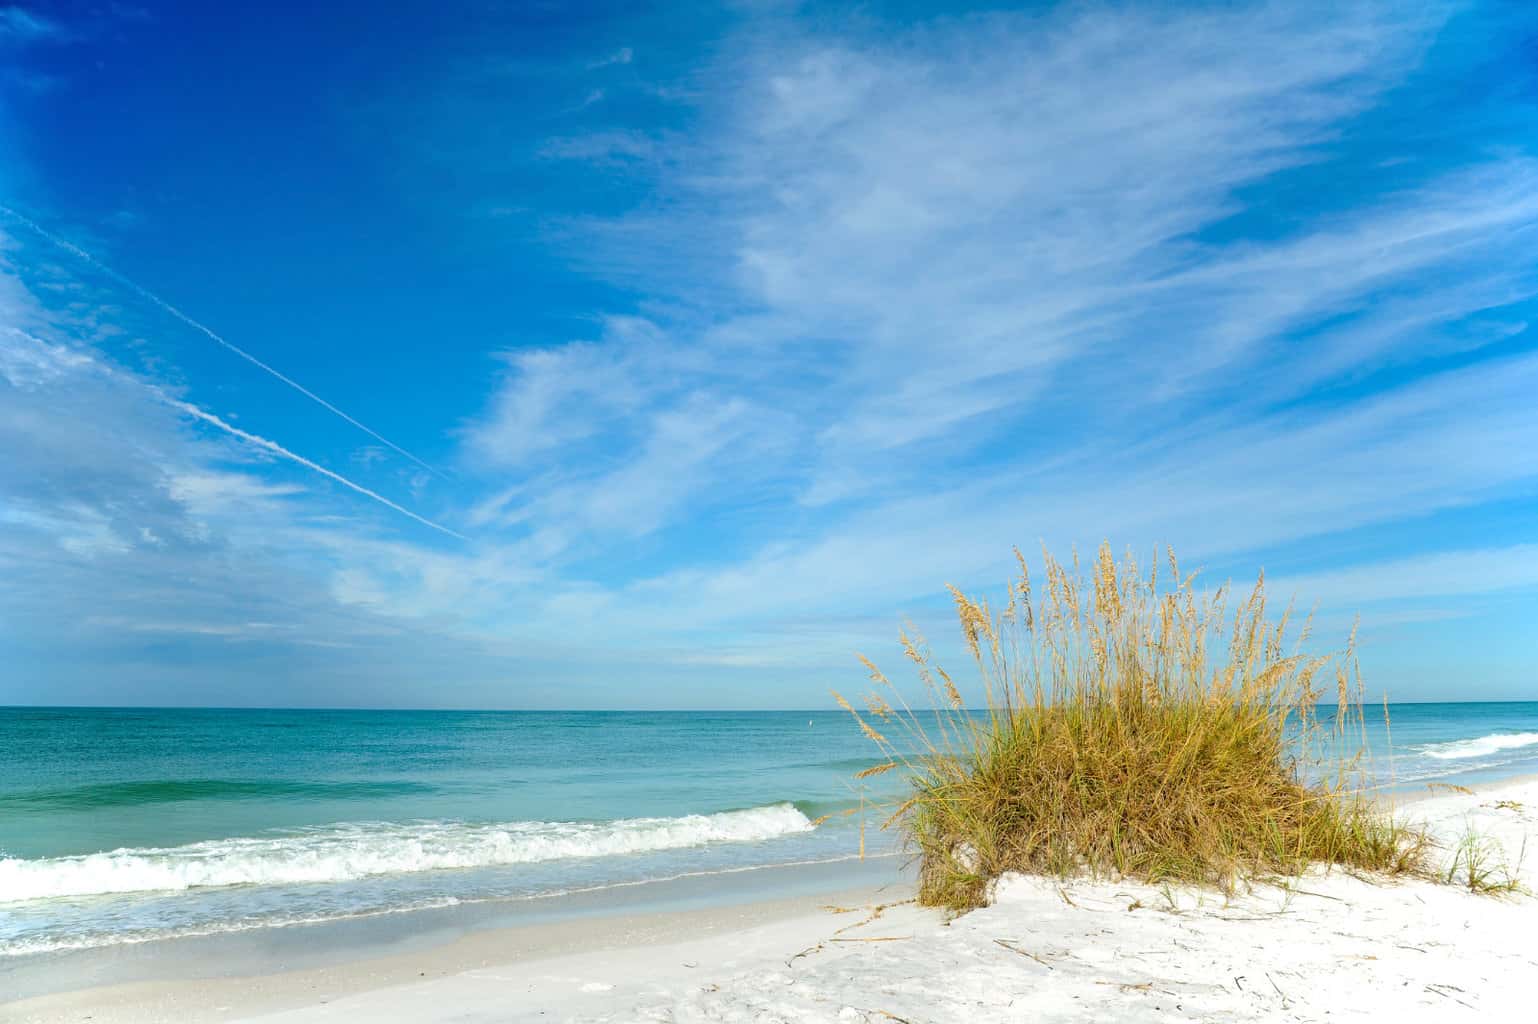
x=828, y=953
x=388, y=947
x=572, y=941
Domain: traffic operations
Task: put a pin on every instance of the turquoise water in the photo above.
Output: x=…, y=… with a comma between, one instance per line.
x=129, y=824
x=124, y=825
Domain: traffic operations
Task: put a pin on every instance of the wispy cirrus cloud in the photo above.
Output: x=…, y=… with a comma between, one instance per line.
x=928, y=257
x=28, y=362
x=892, y=298
x=146, y=556
x=23, y=25
x=624, y=55
x=1441, y=574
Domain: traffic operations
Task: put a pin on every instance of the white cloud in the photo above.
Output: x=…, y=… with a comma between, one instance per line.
x=205, y=491
x=908, y=297
x=1213, y=492
x=1438, y=574
x=927, y=257
x=624, y=55
x=554, y=397
x=124, y=527
x=27, y=361
x=965, y=212
x=24, y=26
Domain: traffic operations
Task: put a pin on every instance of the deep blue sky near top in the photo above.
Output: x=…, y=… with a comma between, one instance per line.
x=731, y=334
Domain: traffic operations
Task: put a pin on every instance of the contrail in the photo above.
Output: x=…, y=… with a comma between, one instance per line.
x=150, y=296
x=245, y=435
x=282, y=452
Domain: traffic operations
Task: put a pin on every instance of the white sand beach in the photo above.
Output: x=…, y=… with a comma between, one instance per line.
x=1331, y=947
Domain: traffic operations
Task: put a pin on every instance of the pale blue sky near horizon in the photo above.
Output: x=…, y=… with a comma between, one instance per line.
x=616, y=355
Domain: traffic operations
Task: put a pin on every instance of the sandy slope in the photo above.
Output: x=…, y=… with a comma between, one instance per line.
x=1334, y=948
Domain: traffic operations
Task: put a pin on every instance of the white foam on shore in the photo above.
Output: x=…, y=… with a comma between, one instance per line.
x=339, y=853
x=1482, y=746
x=52, y=943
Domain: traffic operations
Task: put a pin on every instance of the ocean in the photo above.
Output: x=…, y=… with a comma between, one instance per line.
x=124, y=825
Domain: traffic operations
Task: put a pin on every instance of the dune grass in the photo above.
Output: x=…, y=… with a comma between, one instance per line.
x=1480, y=865
x=1133, y=726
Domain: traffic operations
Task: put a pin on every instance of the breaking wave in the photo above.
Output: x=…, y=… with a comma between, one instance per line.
x=1483, y=746
x=339, y=853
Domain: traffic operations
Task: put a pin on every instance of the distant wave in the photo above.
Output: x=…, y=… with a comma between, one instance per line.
x=1484, y=746
x=339, y=853
x=158, y=791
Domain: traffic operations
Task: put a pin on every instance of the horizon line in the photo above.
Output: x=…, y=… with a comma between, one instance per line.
x=566, y=711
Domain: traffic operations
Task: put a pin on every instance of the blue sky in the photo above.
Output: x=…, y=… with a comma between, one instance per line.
x=608, y=356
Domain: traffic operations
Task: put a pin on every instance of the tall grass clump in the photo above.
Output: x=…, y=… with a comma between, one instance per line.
x=1133, y=726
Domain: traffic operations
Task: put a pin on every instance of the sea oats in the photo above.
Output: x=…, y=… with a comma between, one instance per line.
x=1148, y=734
x=875, y=673
x=878, y=707
x=951, y=692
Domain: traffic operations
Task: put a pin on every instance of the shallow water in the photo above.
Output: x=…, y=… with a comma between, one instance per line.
x=119, y=825
x=126, y=825
x=1461, y=743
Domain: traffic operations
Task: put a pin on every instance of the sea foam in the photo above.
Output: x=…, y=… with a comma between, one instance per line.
x=339, y=853
x=1483, y=746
